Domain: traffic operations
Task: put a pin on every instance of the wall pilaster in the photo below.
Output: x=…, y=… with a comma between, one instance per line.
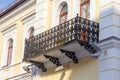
x=109, y=61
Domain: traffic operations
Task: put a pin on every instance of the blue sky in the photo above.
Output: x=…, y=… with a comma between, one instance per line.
x=5, y=3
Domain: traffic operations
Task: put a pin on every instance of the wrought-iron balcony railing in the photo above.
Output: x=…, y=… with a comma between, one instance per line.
x=80, y=29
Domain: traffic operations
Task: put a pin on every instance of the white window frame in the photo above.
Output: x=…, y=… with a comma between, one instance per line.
x=76, y=9
x=56, y=11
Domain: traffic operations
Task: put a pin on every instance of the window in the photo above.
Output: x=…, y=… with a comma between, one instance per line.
x=10, y=49
x=31, y=32
x=63, y=13
x=85, y=9
x=85, y=13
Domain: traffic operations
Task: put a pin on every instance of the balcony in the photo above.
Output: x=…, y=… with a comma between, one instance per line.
x=66, y=42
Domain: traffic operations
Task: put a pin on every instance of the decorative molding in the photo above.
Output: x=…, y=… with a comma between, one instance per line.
x=40, y=1
x=8, y=33
x=29, y=18
x=3, y=68
x=20, y=9
x=110, y=4
x=109, y=58
x=109, y=15
x=109, y=70
x=109, y=38
x=11, y=7
x=6, y=26
x=9, y=29
x=20, y=76
x=109, y=42
x=41, y=6
x=109, y=27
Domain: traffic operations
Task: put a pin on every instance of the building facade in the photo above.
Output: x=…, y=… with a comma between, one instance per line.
x=60, y=40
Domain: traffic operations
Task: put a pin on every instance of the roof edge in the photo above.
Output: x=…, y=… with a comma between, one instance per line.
x=11, y=7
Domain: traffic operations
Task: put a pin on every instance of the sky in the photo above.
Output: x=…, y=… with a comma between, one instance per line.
x=5, y=3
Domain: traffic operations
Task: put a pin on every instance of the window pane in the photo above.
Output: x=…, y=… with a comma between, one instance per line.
x=9, y=56
x=88, y=11
x=63, y=14
x=83, y=0
x=62, y=19
x=31, y=34
x=84, y=11
x=10, y=47
x=64, y=9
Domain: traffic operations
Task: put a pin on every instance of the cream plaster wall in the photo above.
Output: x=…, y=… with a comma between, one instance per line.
x=87, y=69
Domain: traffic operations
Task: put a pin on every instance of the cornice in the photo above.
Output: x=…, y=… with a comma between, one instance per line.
x=20, y=19
x=16, y=12
x=11, y=7
x=9, y=29
x=29, y=18
x=110, y=42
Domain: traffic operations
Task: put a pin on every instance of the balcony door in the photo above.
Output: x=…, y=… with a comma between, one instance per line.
x=63, y=14
x=85, y=9
x=84, y=13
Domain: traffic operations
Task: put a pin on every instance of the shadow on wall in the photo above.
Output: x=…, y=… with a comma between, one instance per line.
x=62, y=76
x=51, y=74
x=87, y=69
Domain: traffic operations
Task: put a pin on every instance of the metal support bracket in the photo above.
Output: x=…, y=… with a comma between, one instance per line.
x=89, y=47
x=71, y=55
x=39, y=65
x=54, y=60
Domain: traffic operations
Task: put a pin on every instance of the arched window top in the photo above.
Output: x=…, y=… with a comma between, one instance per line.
x=10, y=42
x=85, y=1
x=63, y=13
x=31, y=32
x=10, y=50
x=64, y=9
